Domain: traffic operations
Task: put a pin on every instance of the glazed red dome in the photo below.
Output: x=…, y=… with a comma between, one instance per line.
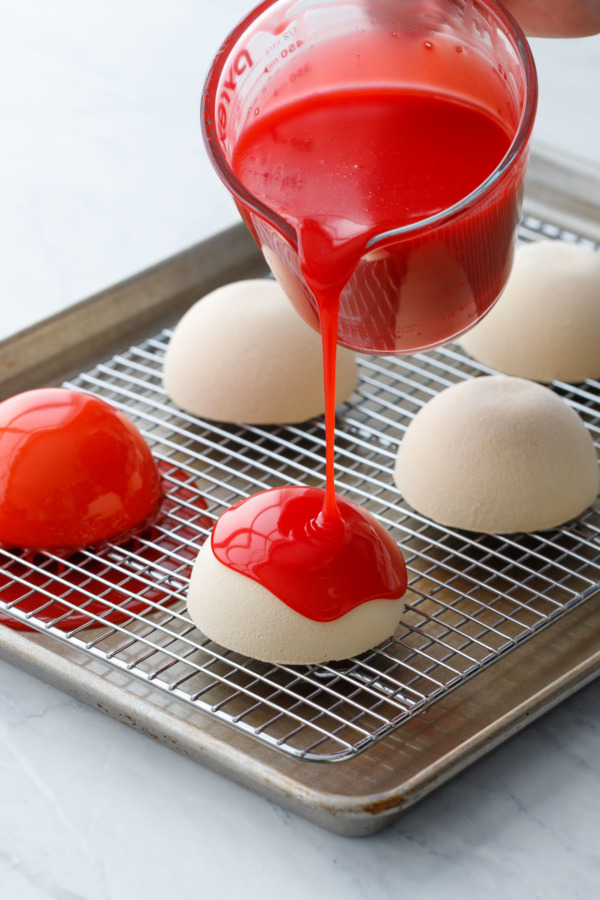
x=74, y=471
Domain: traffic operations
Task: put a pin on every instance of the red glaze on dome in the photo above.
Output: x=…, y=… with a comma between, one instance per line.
x=319, y=567
x=74, y=472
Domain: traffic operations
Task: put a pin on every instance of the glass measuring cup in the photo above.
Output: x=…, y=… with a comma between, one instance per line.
x=423, y=283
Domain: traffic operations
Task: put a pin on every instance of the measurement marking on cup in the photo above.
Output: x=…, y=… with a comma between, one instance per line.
x=299, y=72
x=282, y=38
x=285, y=51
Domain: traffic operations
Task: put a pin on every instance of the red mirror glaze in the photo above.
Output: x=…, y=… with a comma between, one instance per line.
x=74, y=471
x=320, y=567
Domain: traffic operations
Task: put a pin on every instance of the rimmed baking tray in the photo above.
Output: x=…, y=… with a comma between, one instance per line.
x=497, y=630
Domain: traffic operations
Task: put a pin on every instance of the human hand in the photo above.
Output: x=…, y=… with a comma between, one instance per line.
x=556, y=18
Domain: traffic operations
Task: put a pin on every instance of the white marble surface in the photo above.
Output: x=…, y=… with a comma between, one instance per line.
x=102, y=173
x=92, y=810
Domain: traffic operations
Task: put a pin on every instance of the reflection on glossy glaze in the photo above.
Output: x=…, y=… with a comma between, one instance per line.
x=74, y=471
x=321, y=566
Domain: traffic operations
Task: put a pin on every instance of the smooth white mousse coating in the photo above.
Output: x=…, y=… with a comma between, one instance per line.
x=497, y=454
x=243, y=354
x=546, y=324
x=240, y=614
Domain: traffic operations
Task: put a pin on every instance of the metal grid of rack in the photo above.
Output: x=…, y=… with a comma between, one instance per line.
x=472, y=597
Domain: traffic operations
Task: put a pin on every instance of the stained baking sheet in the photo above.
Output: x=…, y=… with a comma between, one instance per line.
x=473, y=601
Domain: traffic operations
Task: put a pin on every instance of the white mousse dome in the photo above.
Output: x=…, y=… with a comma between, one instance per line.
x=242, y=354
x=498, y=455
x=546, y=324
x=241, y=615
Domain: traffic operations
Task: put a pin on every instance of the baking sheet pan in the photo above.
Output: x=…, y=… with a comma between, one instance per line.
x=378, y=778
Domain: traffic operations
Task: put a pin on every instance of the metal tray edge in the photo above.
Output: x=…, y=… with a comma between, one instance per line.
x=309, y=789
x=559, y=189
x=65, y=343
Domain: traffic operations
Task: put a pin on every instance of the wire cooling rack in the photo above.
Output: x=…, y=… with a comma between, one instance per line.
x=472, y=598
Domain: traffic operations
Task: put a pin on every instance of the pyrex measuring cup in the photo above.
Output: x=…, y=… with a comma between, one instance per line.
x=420, y=284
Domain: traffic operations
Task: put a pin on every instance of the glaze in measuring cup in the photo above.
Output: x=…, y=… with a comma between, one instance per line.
x=418, y=285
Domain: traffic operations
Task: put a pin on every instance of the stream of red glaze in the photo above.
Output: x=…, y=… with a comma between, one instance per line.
x=342, y=168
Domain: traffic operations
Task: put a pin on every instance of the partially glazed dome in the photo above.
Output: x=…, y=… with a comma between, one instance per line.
x=242, y=615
